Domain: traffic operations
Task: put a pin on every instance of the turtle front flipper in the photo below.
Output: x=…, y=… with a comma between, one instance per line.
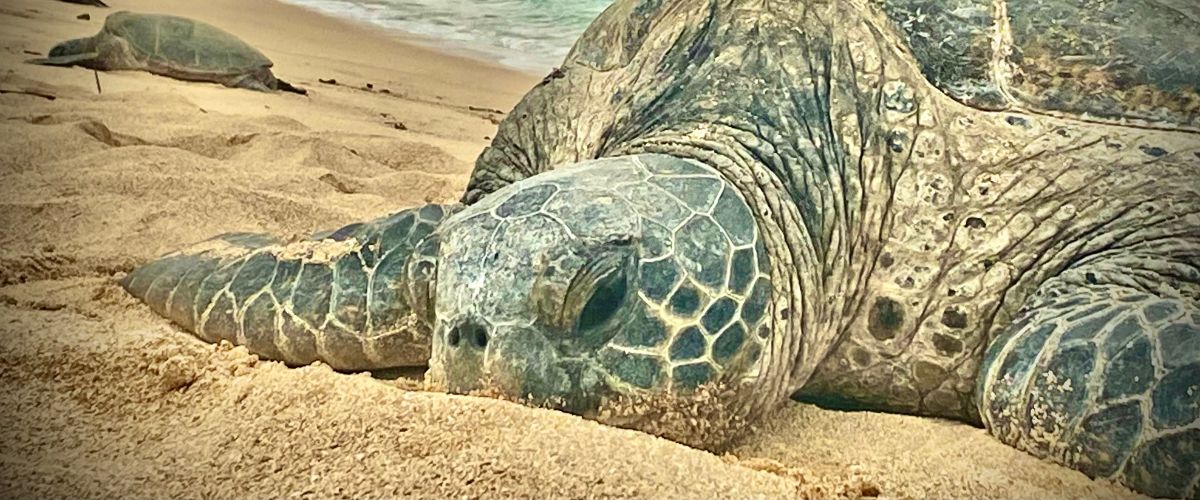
x=355, y=298
x=1101, y=372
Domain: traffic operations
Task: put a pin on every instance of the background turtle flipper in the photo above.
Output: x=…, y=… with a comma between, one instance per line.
x=66, y=60
x=343, y=297
x=287, y=87
x=249, y=82
x=1104, y=378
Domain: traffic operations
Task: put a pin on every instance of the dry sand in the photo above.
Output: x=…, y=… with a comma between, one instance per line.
x=101, y=398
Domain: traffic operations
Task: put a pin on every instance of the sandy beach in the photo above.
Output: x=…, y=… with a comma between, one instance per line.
x=99, y=397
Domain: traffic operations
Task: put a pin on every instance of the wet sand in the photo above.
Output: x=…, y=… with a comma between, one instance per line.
x=101, y=398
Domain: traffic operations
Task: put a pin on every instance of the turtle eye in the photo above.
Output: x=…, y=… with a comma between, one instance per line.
x=604, y=303
x=422, y=279
x=599, y=290
x=424, y=289
x=581, y=290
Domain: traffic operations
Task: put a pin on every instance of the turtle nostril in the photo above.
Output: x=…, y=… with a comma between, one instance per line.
x=470, y=333
x=479, y=336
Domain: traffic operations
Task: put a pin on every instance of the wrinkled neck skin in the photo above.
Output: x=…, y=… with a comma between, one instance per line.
x=776, y=99
x=904, y=229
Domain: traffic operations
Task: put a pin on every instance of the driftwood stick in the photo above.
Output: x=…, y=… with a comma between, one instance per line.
x=34, y=93
x=97, y=75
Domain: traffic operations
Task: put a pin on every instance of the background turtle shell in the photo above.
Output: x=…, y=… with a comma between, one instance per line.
x=185, y=45
x=1110, y=59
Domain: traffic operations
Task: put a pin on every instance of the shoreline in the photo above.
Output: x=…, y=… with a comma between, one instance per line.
x=433, y=95
x=446, y=47
x=431, y=71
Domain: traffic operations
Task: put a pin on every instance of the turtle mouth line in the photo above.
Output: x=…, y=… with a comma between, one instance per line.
x=573, y=385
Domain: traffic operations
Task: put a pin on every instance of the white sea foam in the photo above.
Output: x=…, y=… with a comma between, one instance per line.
x=531, y=35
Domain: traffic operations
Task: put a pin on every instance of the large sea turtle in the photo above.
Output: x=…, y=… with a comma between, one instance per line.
x=973, y=209
x=172, y=46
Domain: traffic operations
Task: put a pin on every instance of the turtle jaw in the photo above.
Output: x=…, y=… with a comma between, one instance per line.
x=519, y=363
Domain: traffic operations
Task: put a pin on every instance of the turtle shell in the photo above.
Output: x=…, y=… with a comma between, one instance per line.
x=1106, y=59
x=185, y=45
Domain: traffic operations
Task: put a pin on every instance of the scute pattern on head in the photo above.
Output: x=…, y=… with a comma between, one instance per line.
x=669, y=240
x=700, y=303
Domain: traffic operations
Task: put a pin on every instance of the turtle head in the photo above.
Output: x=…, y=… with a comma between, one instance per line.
x=636, y=276
x=78, y=46
x=80, y=51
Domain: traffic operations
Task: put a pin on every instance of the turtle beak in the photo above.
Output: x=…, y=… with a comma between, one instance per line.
x=518, y=363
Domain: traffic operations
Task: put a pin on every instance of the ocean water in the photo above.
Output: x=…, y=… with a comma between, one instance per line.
x=532, y=35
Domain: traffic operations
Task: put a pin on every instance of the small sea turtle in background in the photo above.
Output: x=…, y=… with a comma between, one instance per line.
x=973, y=209
x=170, y=46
